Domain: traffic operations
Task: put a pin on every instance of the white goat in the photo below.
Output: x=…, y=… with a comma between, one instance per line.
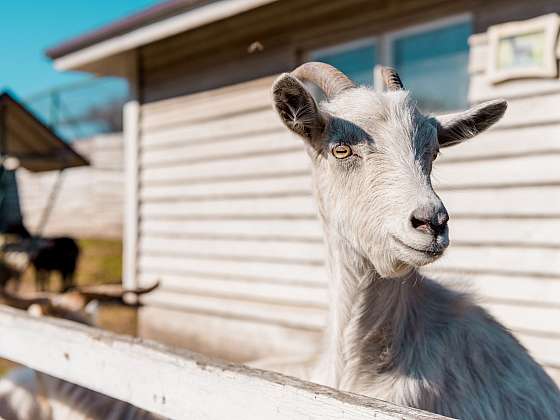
x=392, y=333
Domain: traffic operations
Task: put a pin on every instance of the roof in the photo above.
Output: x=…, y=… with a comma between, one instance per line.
x=153, y=14
x=172, y=17
x=33, y=144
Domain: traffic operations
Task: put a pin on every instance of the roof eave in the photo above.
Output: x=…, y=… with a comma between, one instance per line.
x=88, y=58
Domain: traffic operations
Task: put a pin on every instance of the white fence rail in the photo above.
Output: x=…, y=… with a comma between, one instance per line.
x=173, y=383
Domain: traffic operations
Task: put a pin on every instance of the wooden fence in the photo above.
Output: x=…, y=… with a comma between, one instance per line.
x=176, y=383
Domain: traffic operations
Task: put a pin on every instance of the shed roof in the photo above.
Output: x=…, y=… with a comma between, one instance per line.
x=150, y=15
x=113, y=41
x=36, y=146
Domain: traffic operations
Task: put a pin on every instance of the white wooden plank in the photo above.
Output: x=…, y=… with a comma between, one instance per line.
x=543, y=319
x=482, y=89
x=533, y=110
x=518, y=141
x=250, y=124
x=541, y=169
x=287, y=185
x=272, y=272
x=146, y=375
x=546, y=349
x=478, y=58
x=530, y=232
x=257, y=249
x=241, y=289
x=258, y=229
x=131, y=115
x=287, y=162
x=186, y=149
x=541, y=201
x=244, y=98
x=207, y=334
x=541, y=261
x=307, y=318
x=518, y=289
x=294, y=206
x=211, y=96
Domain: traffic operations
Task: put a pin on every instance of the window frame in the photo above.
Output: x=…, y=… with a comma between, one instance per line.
x=384, y=43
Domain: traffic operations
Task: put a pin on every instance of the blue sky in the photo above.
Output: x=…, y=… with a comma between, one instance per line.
x=30, y=26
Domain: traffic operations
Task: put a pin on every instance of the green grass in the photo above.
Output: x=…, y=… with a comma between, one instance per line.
x=100, y=261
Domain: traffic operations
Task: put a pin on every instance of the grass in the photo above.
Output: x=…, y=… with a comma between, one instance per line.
x=100, y=262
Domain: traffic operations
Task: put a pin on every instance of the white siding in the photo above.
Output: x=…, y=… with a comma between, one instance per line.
x=228, y=223
x=503, y=192
x=89, y=202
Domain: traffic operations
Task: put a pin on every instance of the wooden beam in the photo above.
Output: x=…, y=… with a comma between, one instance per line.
x=177, y=383
x=131, y=135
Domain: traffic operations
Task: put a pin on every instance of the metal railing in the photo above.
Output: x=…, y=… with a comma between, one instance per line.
x=82, y=109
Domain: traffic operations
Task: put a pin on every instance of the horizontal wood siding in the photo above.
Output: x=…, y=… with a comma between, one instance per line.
x=227, y=221
x=89, y=202
x=229, y=226
x=503, y=192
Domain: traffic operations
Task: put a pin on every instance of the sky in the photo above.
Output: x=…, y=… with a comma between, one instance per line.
x=31, y=26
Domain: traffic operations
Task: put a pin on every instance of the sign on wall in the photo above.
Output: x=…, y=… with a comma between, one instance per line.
x=523, y=49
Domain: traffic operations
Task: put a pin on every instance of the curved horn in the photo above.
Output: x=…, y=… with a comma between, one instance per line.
x=391, y=79
x=331, y=80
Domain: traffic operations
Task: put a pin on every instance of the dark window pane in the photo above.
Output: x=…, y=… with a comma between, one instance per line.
x=357, y=63
x=434, y=66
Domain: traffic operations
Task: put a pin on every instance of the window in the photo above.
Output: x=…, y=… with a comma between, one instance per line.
x=431, y=59
x=355, y=60
x=434, y=64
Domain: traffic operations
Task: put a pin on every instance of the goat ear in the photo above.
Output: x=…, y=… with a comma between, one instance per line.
x=296, y=107
x=456, y=128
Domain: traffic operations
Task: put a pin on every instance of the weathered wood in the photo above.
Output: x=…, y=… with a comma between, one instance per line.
x=174, y=383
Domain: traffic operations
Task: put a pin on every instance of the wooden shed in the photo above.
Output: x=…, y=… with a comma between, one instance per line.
x=218, y=196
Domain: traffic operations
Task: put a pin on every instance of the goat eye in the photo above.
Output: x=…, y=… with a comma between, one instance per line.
x=436, y=154
x=341, y=151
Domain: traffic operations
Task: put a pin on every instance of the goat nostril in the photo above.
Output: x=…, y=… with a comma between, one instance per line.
x=419, y=224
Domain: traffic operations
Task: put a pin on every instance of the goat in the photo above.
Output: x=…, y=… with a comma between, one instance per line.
x=27, y=394
x=392, y=333
x=47, y=255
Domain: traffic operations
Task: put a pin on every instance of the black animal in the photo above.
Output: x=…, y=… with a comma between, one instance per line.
x=59, y=254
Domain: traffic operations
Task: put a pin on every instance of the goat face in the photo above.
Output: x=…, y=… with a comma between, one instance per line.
x=372, y=156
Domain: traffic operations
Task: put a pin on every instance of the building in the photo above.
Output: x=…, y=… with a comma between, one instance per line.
x=218, y=204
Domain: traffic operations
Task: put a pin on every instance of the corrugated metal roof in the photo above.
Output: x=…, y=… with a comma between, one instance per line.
x=36, y=146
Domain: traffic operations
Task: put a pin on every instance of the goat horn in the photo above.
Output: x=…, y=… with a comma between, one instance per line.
x=331, y=80
x=391, y=79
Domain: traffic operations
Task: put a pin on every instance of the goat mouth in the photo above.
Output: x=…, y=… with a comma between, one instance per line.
x=433, y=251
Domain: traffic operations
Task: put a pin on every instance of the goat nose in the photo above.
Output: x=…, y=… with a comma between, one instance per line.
x=427, y=220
